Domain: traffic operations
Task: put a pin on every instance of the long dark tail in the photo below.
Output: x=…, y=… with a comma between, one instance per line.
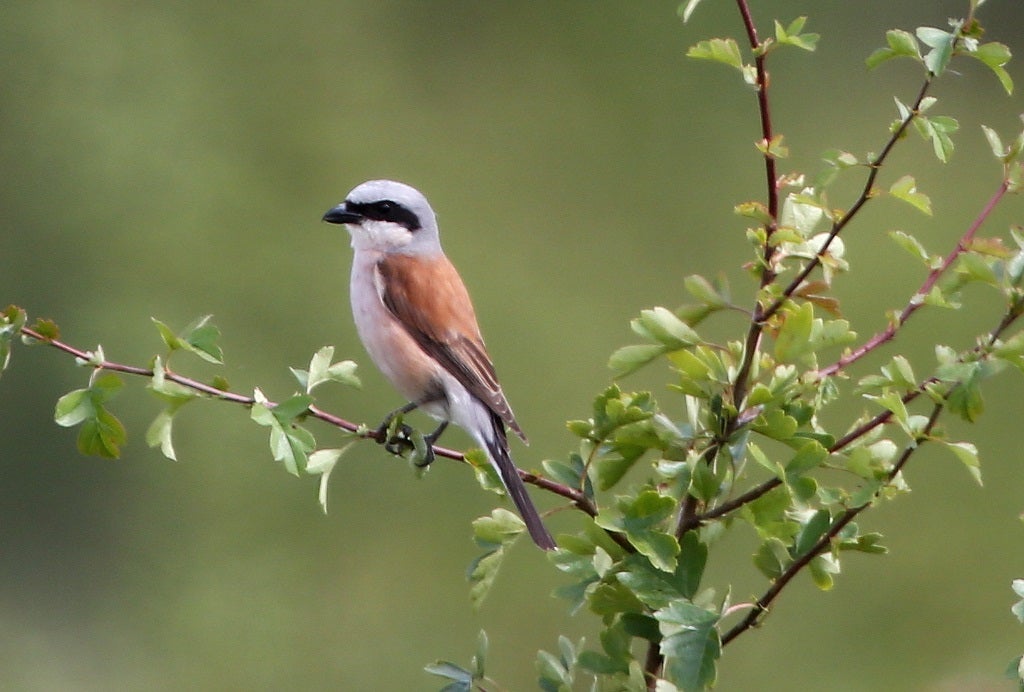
x=497, y=446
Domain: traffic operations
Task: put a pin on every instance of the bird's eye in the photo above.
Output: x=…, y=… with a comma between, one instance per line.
x=385, y=207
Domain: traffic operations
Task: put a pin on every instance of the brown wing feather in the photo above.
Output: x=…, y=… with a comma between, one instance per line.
x=423, y=294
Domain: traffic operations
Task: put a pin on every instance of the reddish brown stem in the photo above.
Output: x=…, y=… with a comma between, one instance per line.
x=762, y=604
x=577, y=497
x=917, y=300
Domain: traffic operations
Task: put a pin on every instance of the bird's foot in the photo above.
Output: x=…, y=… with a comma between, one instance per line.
x=396, y=437
x=428, y=456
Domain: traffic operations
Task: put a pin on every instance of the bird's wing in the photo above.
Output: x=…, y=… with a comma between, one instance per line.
x=428, y=298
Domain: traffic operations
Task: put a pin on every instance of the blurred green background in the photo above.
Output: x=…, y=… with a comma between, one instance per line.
x=174, y=159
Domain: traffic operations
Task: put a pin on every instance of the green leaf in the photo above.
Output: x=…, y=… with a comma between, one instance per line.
x=937, y=129
x=705, y=482
x=900, y=373
x=199, y=338
x=693, y=557
x=822, y=569
x=159, y=434
x=1015, y=672
x=902, y=44
x=870, y=543
x=914, y=247
x=571, y=473
x=480, y=657
x=965, y=398
x=656, y=588
x=967, y=453
x=494, y=533
x=723, y=50
x=168, y=390
x=642, y=519
x=104, y=386
x=12, y=319
x=686, y=11
x=292, y=408
x=101, y=434
x=906, y=189
x=893, y=403
x=322, y=370
x=73, y=408
x=690, y=645
x=772, y=557
x=773, y=148
x=1018, y=607
x=175, y=395
x=629, y=359
x=609, y=470
x=995, y=56
x=289, y=443
x=661, y=325
x=994, y=142
x=814, y=528
x=322, y=463
x=167, y=334
x=461, y=679
x=47, y=329
x=791, y=35
x=801, y=213
x=702, y=289
x=840, y=159
x=807, y=458
x=553, y=675
x=755, y=210
x=612, y=598
x=794, y=336
x=557, y=672
x=768, y=514
x=941, y=44
x=776, y=424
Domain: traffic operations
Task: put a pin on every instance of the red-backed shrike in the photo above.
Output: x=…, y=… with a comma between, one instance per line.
x=415, y=319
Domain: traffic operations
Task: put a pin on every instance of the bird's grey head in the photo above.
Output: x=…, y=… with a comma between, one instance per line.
x=387, y=216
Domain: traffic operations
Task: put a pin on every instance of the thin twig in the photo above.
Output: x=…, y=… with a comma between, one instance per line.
x=1013, y=313
x=824, y=542
x=687, y=518
x=917, y=300
x=577, y=497
x=756, y=329
x=866, y=193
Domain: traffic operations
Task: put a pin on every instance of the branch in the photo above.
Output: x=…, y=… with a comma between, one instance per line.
x=688, y=516
x=917, y=300
x=761, y=605
x=1015, y=311
x=760, y=315
x=865, y=194
x=577, y=497
x=753, y=339
x=764, y=109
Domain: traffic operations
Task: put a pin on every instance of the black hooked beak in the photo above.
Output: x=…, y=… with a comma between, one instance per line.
x=341, y=214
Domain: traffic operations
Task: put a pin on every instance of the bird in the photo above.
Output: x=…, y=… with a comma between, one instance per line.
x=414, y=316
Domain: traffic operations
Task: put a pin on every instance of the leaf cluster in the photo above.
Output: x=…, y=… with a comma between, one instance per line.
x=739, y=444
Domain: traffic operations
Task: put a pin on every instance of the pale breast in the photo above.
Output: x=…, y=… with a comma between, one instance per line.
x=391, y=348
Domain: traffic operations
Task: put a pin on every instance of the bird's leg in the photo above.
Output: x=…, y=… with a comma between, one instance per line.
x=397, y=442
x=430, y=439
